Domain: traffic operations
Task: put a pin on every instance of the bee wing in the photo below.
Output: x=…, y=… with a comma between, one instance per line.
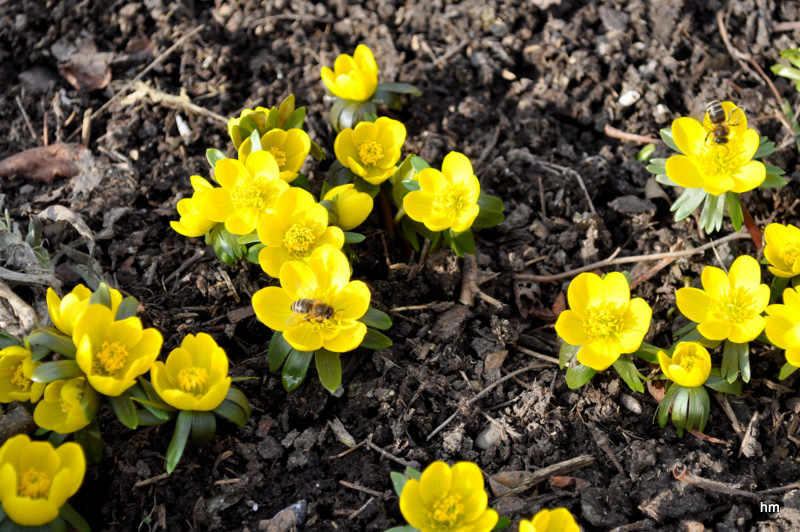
x=295, y=319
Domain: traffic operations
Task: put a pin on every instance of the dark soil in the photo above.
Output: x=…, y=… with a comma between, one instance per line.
x=522, y=88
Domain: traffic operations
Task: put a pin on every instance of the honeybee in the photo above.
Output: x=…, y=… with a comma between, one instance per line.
x=720, y=123
x=308, y=309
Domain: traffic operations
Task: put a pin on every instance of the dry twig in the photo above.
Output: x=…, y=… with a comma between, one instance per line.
x=615, y=133
x=561, y=468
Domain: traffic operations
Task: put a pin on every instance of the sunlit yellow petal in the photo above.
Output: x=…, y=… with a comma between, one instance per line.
x=683, y=171
x=272, y=306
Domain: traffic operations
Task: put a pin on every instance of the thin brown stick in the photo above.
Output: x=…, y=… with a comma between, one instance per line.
x=450, y=53
x=628, y=260
x=540, y=475
x=157, y=61
x=361, y=488
x=26, y=118
x=680, y=472
x=177, y=102
x=615, y=133
x=387, y=454
x=348, y=451
x=361, y=510
x=469, y=281
x=735, y=53
x=786, y=26
x=151, y=480
x=539, y=356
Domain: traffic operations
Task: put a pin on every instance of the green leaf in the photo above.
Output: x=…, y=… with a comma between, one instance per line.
x=502, y=523
x=376, y=319
x=204, y=425
x=685, y=329
x=91, y=442
x=90, y=402
x=627, y=370
x=410, y=186
x=127, y=308
x=773, y=178
x=665, y=180
x=247, y=125
x=398, y=482
x=236, y=396
x=285, y=109
x=124, y=409
x=765, y=148
x=490, y=203
x=102, y=296
x=399, y=88
x=786, y=370
x=465, y=241
x=647, y=352
x=418, y=163
x=7, y=340
x=721, y=385
x=53, y=371
x=183, y=427
x=375, y=340
x=666, y=403
x=666, y=136
x=698, y=409
x=71, y=516
x=301, y=181
x=295, y=369
x=54, y=340
x=413, y=473
x=687, y=202
x=253, y=252
x=244, y=240
x=410, y=234
x=353, y=238
x=277, y=351
x=733, y=355
x=734, y=209
x=329, y=369
x=255, y=141
x=646, y=152
x=404, y=528
x=225, y=245
x=680, y=410
x=487, y=219
x=785, y=72
x=296, y=119
x=567, y=354
x=713, y=212
x=657, y=166
x=364, y=186
x=231, y=411
x=213, y=156
x=578, y=375
x=146, y=419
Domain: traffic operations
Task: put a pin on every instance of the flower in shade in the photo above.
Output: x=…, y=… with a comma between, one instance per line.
x=289, y=148
x=325, y=280
x=556, y=520
x=259, y=118
x=16, y=370
x=730, y=306
x=298, y=226
x=192, y=222
x=716, y=168
x=782, y=249
x=446, y=199
x=782, y=325
x=62, y=408
x=371, y=150
x=603, y=319
x=448, y=499
x=247, y=192
x=36, y=479
x=195, y=376
x=113, y=353
x=353, y=78
x=350, y=206
x=65, y=312
x=689, y=366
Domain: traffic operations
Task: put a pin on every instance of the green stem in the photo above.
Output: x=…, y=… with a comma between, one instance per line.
x=399, y=215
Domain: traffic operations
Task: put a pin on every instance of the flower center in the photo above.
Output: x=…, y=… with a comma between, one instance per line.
x=65, y=405
x=279, y=154
x=736, y=306
x=298, y=240
x=370, y=152
x=449, y=199
x=259, y=194
x=19, y=379
x=603, y=321
x=111, y=357
x=724, y=160
x=789, y=253
x=447, y=510
x=34, y=484
x=192, y=380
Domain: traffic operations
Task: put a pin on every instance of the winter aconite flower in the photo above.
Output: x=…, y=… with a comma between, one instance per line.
x=730, y=306
x=298, y=226
x=372, y=149
x=446, y=199
x=289, y=148
x=113, y=353
x=556, y=520
x=447, y=499
x=689, y=366
x=16, y=370
x=192, y=222
x=195, y=376
x=782, y=325
x=61, y=410
x=324, y=282
x=603, y=319
x=36, y=479
x=782, y=249
x=65, y=312
x=349, y=206
x=247, y=192
x=353, y=78
x=716, y=168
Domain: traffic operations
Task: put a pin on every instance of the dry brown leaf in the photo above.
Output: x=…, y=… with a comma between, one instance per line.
x=45, y=164
x=57, y=213
x=566, y=482
x=560, y=304
x=88, y=70
x=494, y=360
x=656, y=389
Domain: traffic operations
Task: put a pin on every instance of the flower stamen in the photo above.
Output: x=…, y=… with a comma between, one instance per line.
x=298, y=240
x=34, y=484
x=111, y=358
x=279, y=154
x=192, y=380
x=603, y=321
x=370, y=152
x=447, y=510
x=19, y=379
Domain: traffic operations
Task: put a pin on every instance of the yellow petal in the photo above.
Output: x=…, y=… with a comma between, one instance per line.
x=272, y=306
x=457, y=167
x=569, y=327
x=352, y=301
x=714, y=330
x=749, y=177
x=597, y=355
x=30, y=512
x=216, y=205
x=468, y=480
x=585, y=291
x=745, y=272
x=298, y=280
x=214, y=396
x=271, y=260
x=747, y=331
x=689, y=136
x=616, y=289
x=413, y=507
x=330, y=267
x=683, y=171
x=793, y=356
x=464, y=219
x=344, y=147
x=418, y=205
x=303, y=337
x=350, y=335
x=435, y=482
x=715, y=282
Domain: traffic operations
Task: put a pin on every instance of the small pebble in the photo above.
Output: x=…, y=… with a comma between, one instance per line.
x=629, y=98
x=630, y=403
x=488, y=438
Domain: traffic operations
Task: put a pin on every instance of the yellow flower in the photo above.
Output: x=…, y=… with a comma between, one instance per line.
x=247, y=192
x=557, y=520
x=16, y=370
x=289, y=147
x=603, y=319
x=61, y=410
x=372, y=149
x=36, y=479
x=716, y=168
x=113, y=353
x=259, y=116
x=446, y=199
x=65, y=312
x=731, y=305
x=448, y=499
x=690, y=364
x=192, y=222
x=298, y=226
x=782, y=325
x=325, y=280
x=195, y=376
x=782, y=249
x=350, y=206
x=353, y=78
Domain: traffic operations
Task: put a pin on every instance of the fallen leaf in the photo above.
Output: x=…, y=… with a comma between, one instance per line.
x=88, y=70
x=45, y=164
x=566, y=482
x=56, y=213
x=494, y=360
x=656, y=389
x=709, y=439
x=559, y=305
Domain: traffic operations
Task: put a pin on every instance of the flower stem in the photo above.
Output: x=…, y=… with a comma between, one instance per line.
x=399, y=215
x=752, y=228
